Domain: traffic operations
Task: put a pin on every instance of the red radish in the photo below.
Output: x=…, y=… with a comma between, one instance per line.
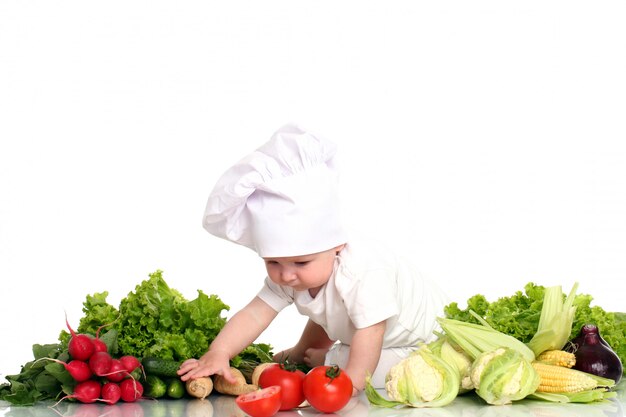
x=85, y=392
x=80, y=346
x=132, y=390
x=99, y=345
x=100, y=363
x=79, y=370
x=111, y=393
x=117, y=372
x=130, y=363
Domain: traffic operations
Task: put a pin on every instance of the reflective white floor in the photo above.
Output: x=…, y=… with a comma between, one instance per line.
x=224, y=406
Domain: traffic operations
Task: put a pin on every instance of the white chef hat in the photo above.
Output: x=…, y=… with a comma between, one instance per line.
x=282, y=199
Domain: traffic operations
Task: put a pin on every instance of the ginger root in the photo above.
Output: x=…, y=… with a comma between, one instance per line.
x=199, y=387
x=222, y=386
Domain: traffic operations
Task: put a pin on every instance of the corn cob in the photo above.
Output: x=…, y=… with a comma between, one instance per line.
x=558, y=379
x=558, y=358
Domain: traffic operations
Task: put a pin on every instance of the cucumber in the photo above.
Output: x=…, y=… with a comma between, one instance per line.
x=161, y=367
x=175, y=388
x=154, y=387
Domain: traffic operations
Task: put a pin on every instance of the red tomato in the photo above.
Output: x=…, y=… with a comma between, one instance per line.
x=261, y=403
x=327, y=388
x=290, y=382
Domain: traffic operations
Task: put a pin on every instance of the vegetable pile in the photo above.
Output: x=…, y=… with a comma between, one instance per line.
x=518, y=316
x=154, y=324
x=540, y=344
x=524, y=346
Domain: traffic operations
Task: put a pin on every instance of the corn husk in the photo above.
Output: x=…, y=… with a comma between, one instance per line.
x=476, y=339
x=555, y=322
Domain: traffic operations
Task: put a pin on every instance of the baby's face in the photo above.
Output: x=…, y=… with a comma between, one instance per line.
x=306, y=272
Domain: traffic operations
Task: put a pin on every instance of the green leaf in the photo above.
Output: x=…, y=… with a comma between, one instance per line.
x=98, y=312
x=59, y=372
x=378, y=400
x=110, y=340
x=47, y=351
x=19, y=394
x=47, y=383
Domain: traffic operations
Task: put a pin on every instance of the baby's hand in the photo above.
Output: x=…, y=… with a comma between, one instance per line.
x=211, y=363
x=282, y=356
x=292, y=355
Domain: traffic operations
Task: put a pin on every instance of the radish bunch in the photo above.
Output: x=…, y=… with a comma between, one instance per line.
x=99, y=376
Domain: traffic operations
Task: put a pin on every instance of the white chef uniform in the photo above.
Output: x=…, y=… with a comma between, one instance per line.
x=368, y=285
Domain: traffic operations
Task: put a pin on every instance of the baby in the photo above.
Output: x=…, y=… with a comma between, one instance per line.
x=367, y=308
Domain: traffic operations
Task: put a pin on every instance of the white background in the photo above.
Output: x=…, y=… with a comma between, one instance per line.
x=486, y=140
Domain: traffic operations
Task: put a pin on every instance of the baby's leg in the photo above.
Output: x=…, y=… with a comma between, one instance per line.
x=315, y=356
x=340, y=353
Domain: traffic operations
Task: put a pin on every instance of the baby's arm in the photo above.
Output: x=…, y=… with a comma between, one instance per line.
x=365, y=353
x=238, y=333
x=313, y=337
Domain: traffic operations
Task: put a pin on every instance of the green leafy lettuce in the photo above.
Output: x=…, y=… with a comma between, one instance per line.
x=156, y=320
x=518, y=315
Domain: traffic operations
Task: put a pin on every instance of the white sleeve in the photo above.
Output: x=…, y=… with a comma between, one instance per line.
x=276, y=296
